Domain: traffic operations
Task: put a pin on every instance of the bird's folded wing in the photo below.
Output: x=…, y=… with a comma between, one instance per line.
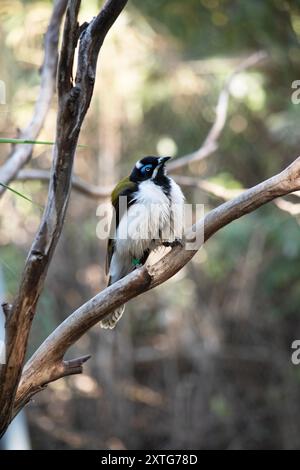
x=124, y=188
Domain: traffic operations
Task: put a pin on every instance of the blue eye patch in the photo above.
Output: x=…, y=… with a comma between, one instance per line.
x=146, y=169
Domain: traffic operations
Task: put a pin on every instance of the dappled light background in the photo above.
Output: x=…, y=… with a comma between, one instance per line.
x=203, y=361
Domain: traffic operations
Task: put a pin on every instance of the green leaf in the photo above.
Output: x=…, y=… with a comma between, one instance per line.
x=24, y=141
x=20, y=194
x=27, y=141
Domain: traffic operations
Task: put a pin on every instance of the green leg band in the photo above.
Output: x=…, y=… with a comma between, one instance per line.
x=135, y=261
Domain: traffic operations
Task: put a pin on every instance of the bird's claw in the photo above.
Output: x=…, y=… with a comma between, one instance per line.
x=177, y=242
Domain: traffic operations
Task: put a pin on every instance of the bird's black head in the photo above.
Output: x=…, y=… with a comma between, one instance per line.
x=149, y=168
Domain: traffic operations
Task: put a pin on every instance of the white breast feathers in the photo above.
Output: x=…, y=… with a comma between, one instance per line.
x=150, y=218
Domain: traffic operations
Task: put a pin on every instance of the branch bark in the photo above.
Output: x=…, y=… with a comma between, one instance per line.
x=74, y=100
x=21, y=154
x=47, y=363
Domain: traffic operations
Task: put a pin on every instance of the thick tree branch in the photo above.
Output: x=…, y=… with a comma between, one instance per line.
x=21, y=154
x=72, y=107
x=47, y=363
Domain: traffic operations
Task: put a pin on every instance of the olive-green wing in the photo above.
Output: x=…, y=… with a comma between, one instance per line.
x=109, y=253
x=124, y=188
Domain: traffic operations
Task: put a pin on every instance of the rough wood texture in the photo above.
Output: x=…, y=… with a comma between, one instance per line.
x=74, y=100
x=47, y=363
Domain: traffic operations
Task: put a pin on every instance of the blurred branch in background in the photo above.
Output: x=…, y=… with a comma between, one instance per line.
x=211, y=142
x=221, y=192
x=289, y=207
x=21, y=154
x=87, y=189
x=207, y=148
x=97, y=192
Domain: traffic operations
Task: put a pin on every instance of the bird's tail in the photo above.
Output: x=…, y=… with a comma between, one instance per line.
x=112, y=319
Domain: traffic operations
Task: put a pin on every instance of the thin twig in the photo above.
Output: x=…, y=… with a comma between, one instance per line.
x=21, y=153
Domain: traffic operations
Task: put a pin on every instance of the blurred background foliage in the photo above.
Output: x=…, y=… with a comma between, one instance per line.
x=203, y=361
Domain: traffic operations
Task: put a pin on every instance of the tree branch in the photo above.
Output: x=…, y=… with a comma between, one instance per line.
x=46, y=364
x=210, y=144
x=21, y=154
x=226, y=194
x=73, y=104
x=207, y=148
x=87, y=189
x=99, y=192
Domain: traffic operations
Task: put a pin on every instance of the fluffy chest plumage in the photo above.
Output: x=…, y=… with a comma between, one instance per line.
x=147, y=219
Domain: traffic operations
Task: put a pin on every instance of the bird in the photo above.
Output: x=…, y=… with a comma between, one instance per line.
x=148, y=213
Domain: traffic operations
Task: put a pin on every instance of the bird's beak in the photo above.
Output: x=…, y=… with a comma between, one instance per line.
x=161, y=163
x=163, y=160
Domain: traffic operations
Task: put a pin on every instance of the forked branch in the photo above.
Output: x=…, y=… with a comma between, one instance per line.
x=74, y=100
x=47, y=363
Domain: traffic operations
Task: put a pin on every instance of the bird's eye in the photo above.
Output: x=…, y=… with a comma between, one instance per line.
x=146, y=169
